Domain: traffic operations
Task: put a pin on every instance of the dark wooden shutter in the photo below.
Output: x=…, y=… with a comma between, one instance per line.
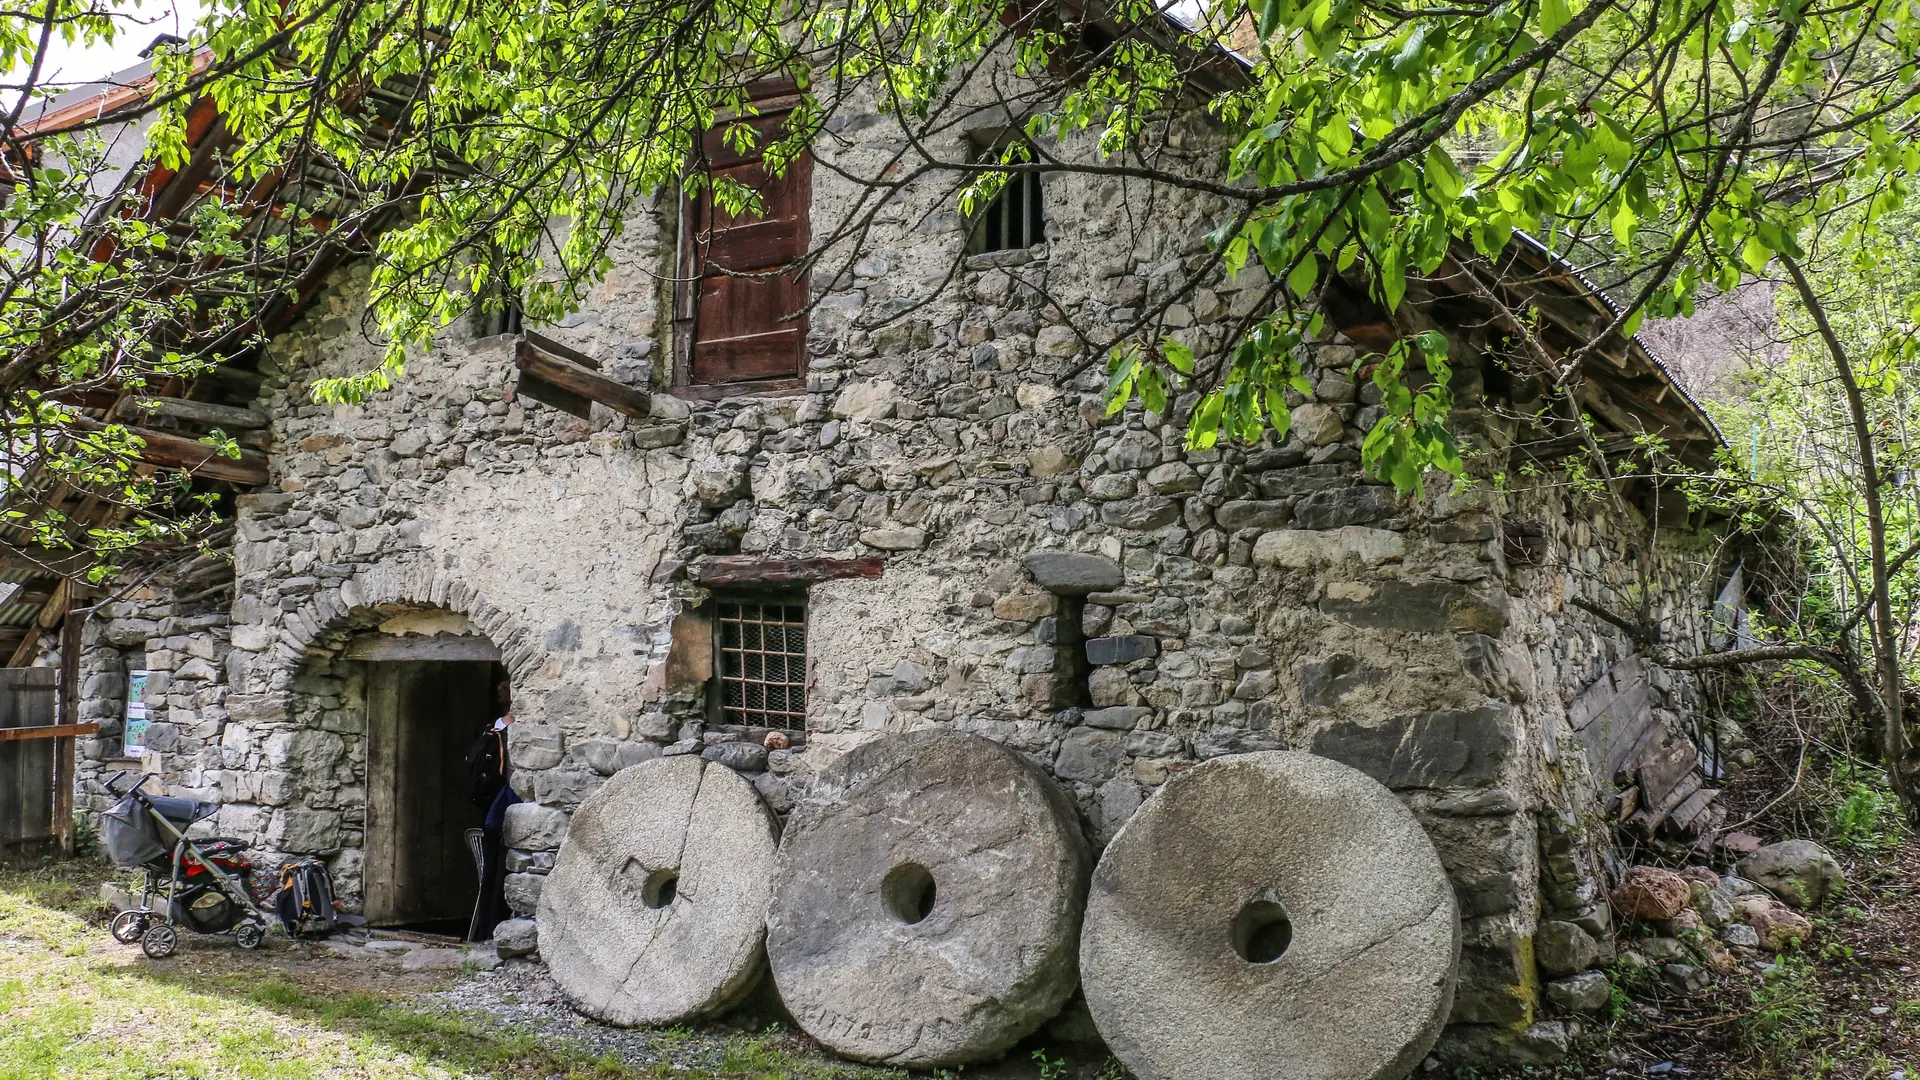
x=744, y=329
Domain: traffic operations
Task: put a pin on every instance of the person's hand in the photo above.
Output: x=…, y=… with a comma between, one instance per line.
x=506, y=718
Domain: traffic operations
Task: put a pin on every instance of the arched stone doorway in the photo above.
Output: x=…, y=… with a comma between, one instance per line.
x=407, y=691
x=314, y=698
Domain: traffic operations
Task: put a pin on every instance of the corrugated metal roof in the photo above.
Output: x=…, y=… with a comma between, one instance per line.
x=13, y=582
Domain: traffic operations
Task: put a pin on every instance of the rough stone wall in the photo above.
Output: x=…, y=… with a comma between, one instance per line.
x=1533, y=850
x=182, y=641
x=1260, y=596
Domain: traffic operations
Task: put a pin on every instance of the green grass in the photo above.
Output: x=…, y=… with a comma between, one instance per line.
x=1787, y=1010
x=79, y=1007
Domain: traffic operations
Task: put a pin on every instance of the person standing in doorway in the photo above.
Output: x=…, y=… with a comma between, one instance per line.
x=488, y=769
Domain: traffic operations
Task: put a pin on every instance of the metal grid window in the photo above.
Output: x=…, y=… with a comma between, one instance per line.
x=763, y=662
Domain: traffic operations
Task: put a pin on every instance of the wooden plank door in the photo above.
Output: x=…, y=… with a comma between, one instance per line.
x=422, y=717
x=741, y=320
x=27, y=765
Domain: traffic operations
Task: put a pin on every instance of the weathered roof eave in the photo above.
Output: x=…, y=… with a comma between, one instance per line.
x=1591, y=292
x=1594, y=293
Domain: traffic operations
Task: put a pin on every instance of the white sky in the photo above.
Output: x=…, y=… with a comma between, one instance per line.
x=143, y=21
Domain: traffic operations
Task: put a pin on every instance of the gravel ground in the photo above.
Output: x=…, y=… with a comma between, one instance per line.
x=521, y=994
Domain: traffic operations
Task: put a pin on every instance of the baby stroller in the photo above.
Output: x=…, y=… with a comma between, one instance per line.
x=207, y=885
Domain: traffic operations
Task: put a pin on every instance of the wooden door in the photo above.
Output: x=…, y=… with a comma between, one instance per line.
x=27, y=765
x=422, y=717
x=740, y=319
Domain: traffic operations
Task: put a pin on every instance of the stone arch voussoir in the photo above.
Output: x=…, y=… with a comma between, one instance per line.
x=418, y=584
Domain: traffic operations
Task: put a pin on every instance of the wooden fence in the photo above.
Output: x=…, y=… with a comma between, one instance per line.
x=36, y=761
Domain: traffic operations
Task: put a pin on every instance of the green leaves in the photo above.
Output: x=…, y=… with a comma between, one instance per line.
x=1130, y=375
x=1306, y=274
x=1123, y=366
x=1412, y=438
x=1366, y=141
x=1270, y=14
x=1335, y=138
x=1179, y=356
x=1442, y=177
x=1622, y=222
x=1250, y=400
x=1554, y=14
x=1391, y=276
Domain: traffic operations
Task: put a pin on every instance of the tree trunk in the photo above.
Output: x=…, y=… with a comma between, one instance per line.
x=1903, y=771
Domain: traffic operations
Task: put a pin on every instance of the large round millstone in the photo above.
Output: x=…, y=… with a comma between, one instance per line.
x=1270, y=916
x=926, y=901
x=656, y=908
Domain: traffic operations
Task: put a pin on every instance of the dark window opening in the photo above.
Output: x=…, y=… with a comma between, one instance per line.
x=493, y=320
x=1013, y=219
x=761, y=668
x=498, y=310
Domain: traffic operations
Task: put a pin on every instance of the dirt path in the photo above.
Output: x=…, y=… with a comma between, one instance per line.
x=1848, y=1007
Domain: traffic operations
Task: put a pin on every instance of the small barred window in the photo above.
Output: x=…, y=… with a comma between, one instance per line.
x=1013, y=220
x=762, y=668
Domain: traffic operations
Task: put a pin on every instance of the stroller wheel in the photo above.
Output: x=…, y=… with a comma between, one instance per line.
x=128, y=926
x=249, y=935
x=160, y=941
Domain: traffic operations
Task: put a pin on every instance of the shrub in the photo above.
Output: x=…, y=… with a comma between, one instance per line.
x=1866, y=815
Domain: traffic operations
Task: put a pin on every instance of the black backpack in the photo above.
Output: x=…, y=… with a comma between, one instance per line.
x=486, y=768
x=305, y=900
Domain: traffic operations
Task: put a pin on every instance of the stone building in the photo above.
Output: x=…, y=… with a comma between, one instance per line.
x=893, y=515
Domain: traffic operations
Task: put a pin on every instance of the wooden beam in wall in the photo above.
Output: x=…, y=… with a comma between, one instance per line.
x=86, y=399
x=544, y=362
x=197, y=412
x=177, y=452
x=52, y=731
x=535, y=388
x=750, y=570
x=63, y=748
x=23, y=653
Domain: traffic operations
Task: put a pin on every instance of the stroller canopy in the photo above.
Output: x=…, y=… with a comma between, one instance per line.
x=135, y=839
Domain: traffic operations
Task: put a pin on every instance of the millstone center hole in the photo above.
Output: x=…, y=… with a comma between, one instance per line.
x=660, y=888
x=908, y=892
x=1262, y=931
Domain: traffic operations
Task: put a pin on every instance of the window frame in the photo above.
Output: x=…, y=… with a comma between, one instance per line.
x=717, y=710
